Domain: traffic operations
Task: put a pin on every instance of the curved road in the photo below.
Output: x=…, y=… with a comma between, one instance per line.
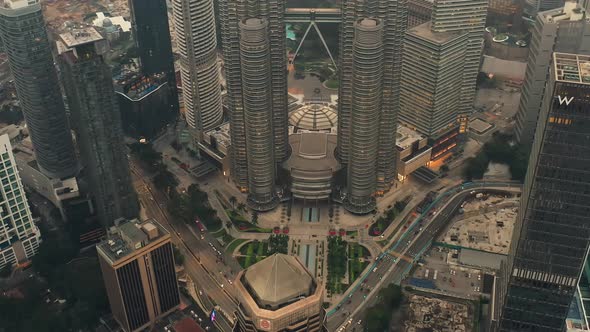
x=396, y=261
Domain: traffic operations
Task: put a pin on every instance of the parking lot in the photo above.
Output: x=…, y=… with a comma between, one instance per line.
x=449, y=278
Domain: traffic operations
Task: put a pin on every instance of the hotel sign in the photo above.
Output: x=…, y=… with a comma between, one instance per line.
x=564, y=100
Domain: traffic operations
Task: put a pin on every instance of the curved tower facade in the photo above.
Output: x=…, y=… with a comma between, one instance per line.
x=195, y=31
x=367, y=70
x=29, y=54
x=256, y=85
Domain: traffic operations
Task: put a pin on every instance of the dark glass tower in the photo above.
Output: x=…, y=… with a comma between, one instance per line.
x=96, y=119
x=552, y=233
x=152, y=35
x=22, y=29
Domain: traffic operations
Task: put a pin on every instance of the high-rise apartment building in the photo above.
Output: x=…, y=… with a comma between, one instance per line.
x=552, y=233
x=258, y=115
x=565, y=30
x=152, y=35
x=464, y=16
x=194, y=22
x=23, y=31
x=231, y=13
x=432, y=70
x=367, y=101
x=19, y=236
x=96, y=119
x=279, y=294
x=137, y=264
x=393, y=15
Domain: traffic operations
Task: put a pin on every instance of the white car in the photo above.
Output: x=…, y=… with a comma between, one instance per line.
x=359, y=322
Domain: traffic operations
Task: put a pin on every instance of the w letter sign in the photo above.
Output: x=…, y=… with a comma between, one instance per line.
x=565, y=100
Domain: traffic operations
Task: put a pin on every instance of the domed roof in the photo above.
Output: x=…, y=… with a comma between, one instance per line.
x=278, y=280
x=107, y=22
x=314, y=117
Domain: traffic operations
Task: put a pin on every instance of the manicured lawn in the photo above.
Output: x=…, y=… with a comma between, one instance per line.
x=244, y=225
x=332, y=84
x=233, y=245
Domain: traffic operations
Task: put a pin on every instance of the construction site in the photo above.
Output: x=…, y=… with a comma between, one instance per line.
x=437, y=314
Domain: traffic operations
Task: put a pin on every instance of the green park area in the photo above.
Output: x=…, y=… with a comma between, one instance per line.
x=357, y=260
x=378, y=317
x=381, y=224
x=500, y=149
x=192, y=205
x=343, y=257
x=255, y=251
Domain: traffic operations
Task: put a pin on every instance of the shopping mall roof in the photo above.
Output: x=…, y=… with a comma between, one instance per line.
x=278, y=280
x=314, y=116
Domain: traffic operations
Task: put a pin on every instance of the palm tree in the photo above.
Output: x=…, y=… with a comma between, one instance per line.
x=233, y=200
x=242, y=206
x=254, y=217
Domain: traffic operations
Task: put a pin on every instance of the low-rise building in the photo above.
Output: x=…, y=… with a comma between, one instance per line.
x=413, y=151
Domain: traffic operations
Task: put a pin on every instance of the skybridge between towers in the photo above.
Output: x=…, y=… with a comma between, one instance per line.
x=312, y=16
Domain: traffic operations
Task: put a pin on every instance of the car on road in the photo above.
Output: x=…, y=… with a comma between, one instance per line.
x=359, y=322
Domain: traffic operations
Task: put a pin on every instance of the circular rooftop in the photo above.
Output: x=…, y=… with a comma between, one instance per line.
x=314, y=117
x=277, y=281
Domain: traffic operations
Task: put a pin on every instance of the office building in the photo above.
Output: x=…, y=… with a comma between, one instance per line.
x=278, y=294
x=429, y=98
x=96, y=119
x=194, y=23
x=393, y=15
x=19, y=236
x=23, y=31
x=551, y=236
x=258, y=113
x=419, y=12
x=231, y=13
x=149, y=19
x=137, y=264
x=143, y=101
x=366, y=110
x=464, y=16
x=532, y=7
x=565, y=30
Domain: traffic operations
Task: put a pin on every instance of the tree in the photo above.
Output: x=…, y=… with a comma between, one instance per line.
x=255, y=217
x=242, y=206
x=178, y=256
x=165, y=179
x=233, y=200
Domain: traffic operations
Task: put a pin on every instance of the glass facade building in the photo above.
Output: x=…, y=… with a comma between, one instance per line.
x=551, y=236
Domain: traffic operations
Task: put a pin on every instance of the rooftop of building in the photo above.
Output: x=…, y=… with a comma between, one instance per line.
x=313, y=152
x=314, y=116
x=104, y=21
x=405, y=137
x=277, y=281
x=136, y=86
x=572, y=68
x=78, y=37
x=424, y=31
x=221, y=134
x=570, y=11
x=128, y=236
x=17, y=4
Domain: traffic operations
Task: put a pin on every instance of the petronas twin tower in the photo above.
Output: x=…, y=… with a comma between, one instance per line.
x=255, y=59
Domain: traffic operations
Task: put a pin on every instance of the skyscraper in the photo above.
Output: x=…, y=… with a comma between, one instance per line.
x=552, y=232
x=432, y=70
x=565, y=30
x=367, y=80
x=258, y=116
x=137, y=266
x=532, y=7
x=19, y=236
x=393, y=15
x=22, y=29
x=464, y=16
x=231, y=13
x=152, y=35
x=97, y=122
x=195, y=32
